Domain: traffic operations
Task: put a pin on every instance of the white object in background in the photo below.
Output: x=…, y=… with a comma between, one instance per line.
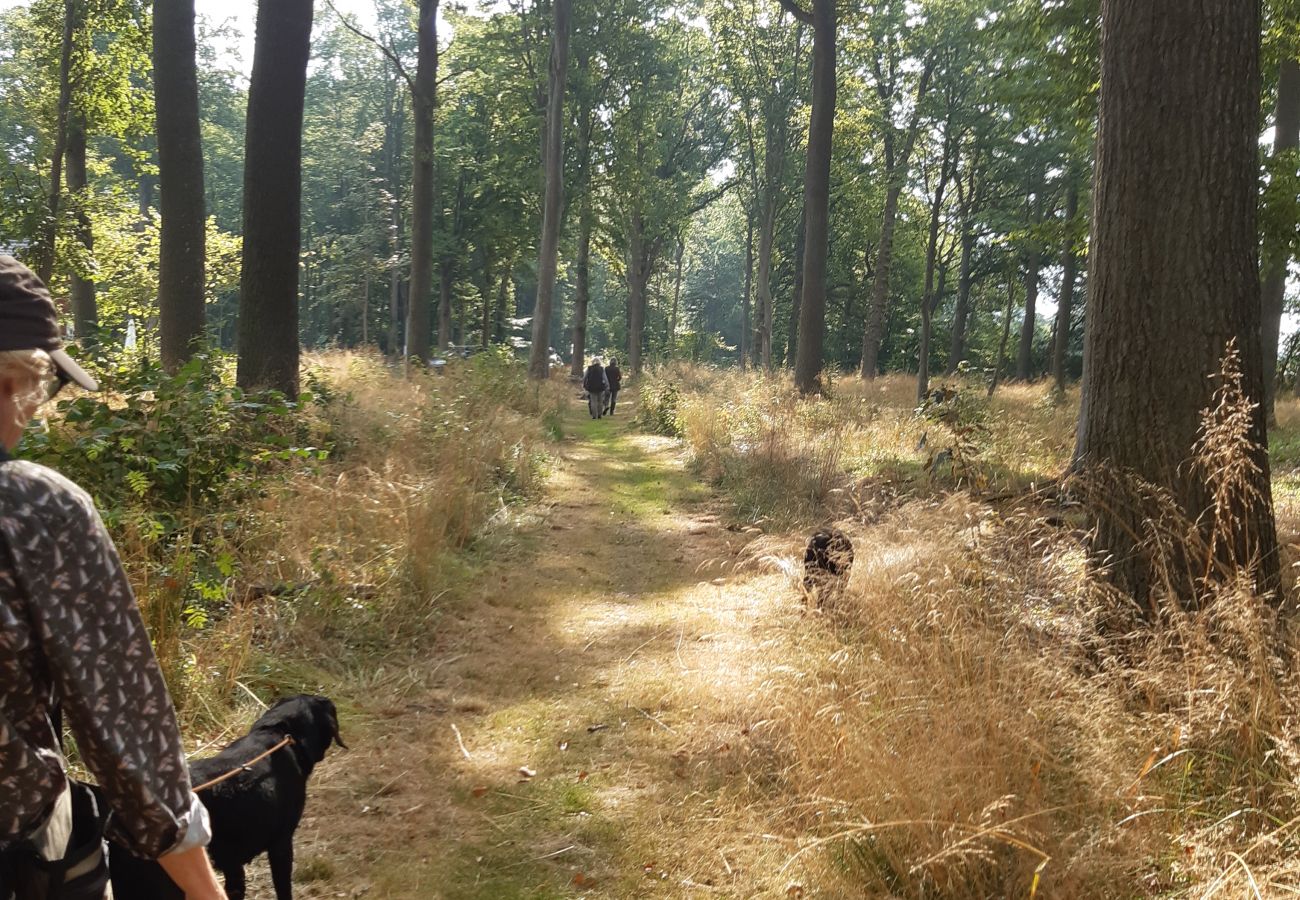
x=129, y=343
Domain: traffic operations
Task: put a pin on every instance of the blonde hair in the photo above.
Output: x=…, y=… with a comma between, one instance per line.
x=31, y=369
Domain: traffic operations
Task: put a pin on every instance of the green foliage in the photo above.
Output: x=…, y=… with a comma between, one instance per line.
x=660, y=406
x=172, y=459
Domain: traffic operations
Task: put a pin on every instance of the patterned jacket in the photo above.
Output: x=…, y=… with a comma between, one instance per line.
x=70, y=629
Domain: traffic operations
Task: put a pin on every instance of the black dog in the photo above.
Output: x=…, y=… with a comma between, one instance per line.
x=826, y=562
x=253, y=812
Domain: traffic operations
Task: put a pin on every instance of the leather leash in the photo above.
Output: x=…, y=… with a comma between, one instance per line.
x=244, y=768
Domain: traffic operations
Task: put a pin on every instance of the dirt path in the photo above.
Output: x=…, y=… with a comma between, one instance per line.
x=614, y=655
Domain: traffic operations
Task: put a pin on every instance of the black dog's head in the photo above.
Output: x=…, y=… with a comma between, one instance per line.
x=311, y=721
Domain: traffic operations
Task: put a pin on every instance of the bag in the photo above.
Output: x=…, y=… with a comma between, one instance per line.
x=82, y=873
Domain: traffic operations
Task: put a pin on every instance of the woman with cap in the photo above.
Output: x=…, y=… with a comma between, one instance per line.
x=72, y=644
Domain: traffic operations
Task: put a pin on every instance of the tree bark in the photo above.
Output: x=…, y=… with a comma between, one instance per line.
x=424, y=98
x=268, y=284
x=875, y=330
x=1286, y=137
x=1174, y=278
x=1065, y=305
x=957, y=348
x=1029, y=325
x=44, y=251
x=85, y=314
x=677, y=296
x=582, y=289
x=182, y=253
x=503, y=296
x=931, y=254
x=539, y=364
x=745, y=342
x=1000, y=360
x=817, y=188
x=792, y=341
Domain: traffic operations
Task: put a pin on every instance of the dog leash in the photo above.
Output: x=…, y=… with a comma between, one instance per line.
x=244, y=768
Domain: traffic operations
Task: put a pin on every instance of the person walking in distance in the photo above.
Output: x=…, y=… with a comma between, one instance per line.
x=595, y=384
x=614, y=375
x=72, y=644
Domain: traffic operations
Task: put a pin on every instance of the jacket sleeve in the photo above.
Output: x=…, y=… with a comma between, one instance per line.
x=104, y=673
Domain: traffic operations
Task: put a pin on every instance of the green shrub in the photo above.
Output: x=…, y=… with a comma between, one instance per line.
x=660, y=406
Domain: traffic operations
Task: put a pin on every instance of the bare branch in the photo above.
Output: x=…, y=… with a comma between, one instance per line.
x=387, y=51
x=797, y=11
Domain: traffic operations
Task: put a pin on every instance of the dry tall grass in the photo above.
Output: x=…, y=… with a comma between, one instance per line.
x=961, y=724
x=344, y=563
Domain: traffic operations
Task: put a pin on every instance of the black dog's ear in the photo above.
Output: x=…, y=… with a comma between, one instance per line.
x=334, y=726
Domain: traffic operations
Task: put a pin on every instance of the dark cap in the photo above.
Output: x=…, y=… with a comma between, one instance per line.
x=29, y=321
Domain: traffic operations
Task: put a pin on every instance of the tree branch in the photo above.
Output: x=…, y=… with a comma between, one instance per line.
x=797, y=11
x=387, y=51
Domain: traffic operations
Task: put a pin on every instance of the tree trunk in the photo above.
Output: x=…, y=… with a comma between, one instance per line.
x=268, y=284
x=182, y=238
x=745, y=342
x=677, y=297
x=817, y=188
x=503, y=296
x=1286, y=137
x=582, y=289
x=1065, y=305
x=43, y=253
x=1006, y=337
x=424, y=97
x=792, y=341
x=1029, y=325
x=931, y=255
x=485, y=300
x=1174, y=278
x=875, y=331
x=539, y=364
x=394, y=141
x=446, y=281
x=766, y=235
x=85, y=315
x=957, y=348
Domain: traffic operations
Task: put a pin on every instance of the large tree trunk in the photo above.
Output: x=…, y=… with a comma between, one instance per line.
x=43, y=253
x=446, y=281
x=796, y=301
x=581, y=289
x=503, y=296
x=875, y=325
x=928, y=301
x=1029, y=325
x=485, y=300
x=182, y=237
x=268, y=283
x=1174, y=277
x=677, y=297
x=1000, y=360
x=424, y=97
x=766, y=236
x=817, y=190
x=1065, y=305
x=1286, y=137
x=957, y=348
x=746, y=344
x=85, y=315
x=539, y=364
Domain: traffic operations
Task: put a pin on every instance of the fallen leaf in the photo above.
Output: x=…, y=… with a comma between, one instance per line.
x=480, y=790
x=581, y=880
x=582, y=776
x=794, y=891
x=527, y=772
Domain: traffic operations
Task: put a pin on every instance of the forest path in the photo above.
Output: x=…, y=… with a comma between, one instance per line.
x=615, y=653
